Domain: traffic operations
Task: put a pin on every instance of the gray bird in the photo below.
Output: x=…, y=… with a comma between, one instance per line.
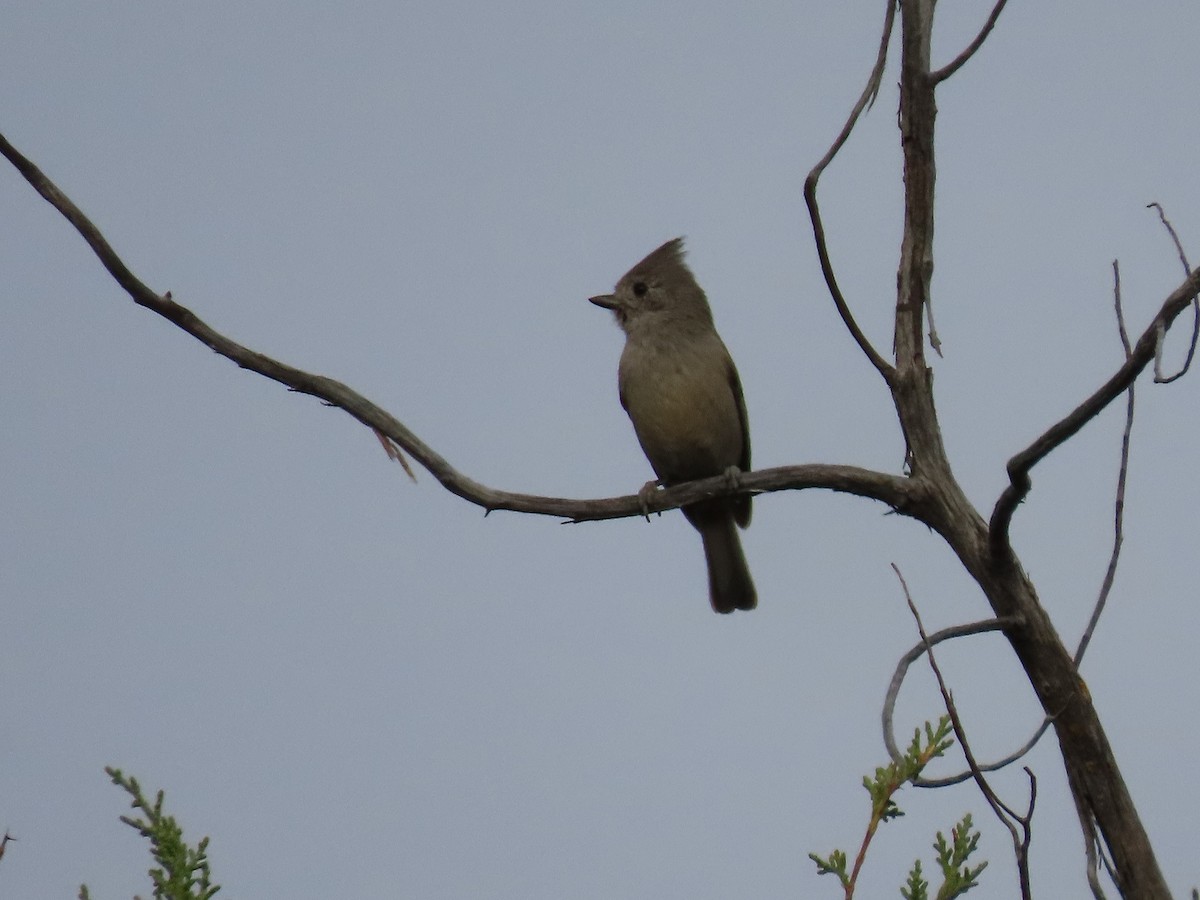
x=681, y=390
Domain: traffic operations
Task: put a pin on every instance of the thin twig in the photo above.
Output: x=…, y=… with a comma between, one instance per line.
x=1027, y=837
x=959, y=61
x=4, y=842
x=1110, y=572
x=1187, y=363
x=1091, y=843
x=934, y=341
x=1006, y=815
x=865, y=100
x=1060, y=432
x=905, y=495
x=996, y=766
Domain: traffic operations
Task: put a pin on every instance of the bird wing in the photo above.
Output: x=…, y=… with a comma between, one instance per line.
x=735, y=385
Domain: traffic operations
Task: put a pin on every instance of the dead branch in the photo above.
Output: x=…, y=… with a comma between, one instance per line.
x=1159, y=377
x=959, y=61
x=1060, y=432
x=902, y=494
x=1110, y=571
x=814, y=212
x=984, y=549
x=1008, y=817
x=4, y=842
x=888, y=715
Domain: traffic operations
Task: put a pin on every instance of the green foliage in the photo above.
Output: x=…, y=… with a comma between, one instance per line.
x=958, y=878
x=183, y=872
x=916, y=888
x=951, y=856
x=882, y=788
x=834, y=865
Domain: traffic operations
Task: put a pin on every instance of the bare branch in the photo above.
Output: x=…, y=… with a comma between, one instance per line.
x=1027, y=837
x=893, y=694
x=1110, y=572
x=1091, y=839
x=959, y=61
x=1187, y=363
x=1119, y=310
x=893, y=691
x=4, y=842
x=1002, y=811
x=934, y=341
x=989, y=767
x=1162, y=217
x=865, y=100
x=1021, y=464
x=983, y=548
x=814, y=213
x=917, y=118
x=1093, y=850
x=902, y=494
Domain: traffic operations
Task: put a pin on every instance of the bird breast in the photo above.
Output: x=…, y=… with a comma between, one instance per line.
x=681, y=401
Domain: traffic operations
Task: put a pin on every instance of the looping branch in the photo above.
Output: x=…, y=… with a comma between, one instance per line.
x=1006, y=815
x=893, y=693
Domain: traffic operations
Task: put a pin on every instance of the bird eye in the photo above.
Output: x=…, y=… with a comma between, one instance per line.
x=639, y=288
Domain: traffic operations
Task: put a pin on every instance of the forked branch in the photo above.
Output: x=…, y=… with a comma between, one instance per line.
x=1063, y=430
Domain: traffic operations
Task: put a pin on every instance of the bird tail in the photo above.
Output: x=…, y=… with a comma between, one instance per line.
x=729, y=584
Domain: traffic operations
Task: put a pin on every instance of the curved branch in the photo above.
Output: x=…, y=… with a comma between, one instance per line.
x=988, y=767
x=814, y=213
x=959, y=61
x=1008, y=817
x=1159, y=377
x=1060, y=432
x=893, y=693
x=905, y=495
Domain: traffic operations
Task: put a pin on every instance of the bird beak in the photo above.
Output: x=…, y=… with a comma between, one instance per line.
x=608, y=301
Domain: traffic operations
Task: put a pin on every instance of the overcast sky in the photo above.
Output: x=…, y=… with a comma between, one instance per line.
x=361, y=687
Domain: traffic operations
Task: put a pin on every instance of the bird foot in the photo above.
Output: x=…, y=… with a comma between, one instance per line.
x=645, y=495
x=733, y=477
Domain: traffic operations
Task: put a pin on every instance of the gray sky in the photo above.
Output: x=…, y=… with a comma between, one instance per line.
x=360, y=687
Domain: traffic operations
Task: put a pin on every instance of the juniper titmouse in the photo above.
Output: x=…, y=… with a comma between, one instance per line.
x=681, y=390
